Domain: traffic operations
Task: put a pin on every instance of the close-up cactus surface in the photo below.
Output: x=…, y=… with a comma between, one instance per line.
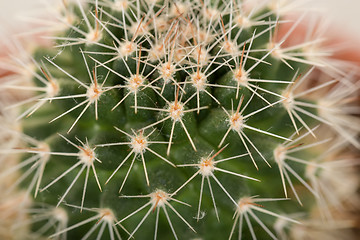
x=154, y=119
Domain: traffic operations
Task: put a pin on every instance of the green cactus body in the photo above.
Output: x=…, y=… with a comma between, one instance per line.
x=183, y=119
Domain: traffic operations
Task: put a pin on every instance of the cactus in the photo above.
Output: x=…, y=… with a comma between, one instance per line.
x=180, y=119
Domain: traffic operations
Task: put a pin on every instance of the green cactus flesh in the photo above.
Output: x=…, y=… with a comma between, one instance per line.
x=152, y=99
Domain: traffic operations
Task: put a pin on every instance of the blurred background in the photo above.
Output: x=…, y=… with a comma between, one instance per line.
x=344, y=14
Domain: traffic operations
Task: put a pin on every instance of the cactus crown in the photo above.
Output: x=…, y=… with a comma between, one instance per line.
x=184, y=119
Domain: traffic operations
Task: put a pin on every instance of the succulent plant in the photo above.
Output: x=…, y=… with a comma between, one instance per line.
x=181, y=119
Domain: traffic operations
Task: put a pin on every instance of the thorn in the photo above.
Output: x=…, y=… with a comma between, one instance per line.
x=242, y=57
x=223, y=28
x=137, y=29
x=218, y=152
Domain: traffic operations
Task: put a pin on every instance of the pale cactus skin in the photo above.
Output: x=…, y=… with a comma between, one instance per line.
x=197, y=113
